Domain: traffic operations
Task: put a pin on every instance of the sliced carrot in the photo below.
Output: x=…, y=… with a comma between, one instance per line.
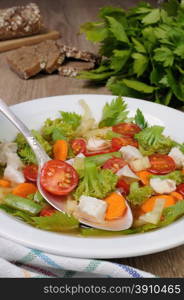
x=24, y=189
x=116, y=206
x=5, y=183
x=60, y=150
x=144, y=176
x=149, y=204
x=182, y=171
x=177, y=195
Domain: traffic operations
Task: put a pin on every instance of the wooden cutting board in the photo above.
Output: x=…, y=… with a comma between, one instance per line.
x=26, y=41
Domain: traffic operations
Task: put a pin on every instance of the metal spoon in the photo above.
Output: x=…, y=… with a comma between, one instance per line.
x=56, y=201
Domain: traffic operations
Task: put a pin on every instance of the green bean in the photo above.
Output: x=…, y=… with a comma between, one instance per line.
x=101, y=158
x=23, y=204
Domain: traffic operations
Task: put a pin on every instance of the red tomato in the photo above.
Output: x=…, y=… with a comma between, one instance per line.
x=180, y=189
x=114, y=164
x=78, y=146
x=99, y=152
x=47, y=211
x=161, y=164
x=58, y=177
x=31, y=172
x=123, y=186
x=126, y=129
x=117, y=143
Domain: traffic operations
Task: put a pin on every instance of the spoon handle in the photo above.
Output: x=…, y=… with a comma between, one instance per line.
x=39, y=152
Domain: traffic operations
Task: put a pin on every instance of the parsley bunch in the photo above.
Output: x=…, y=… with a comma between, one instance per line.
x=142, y=49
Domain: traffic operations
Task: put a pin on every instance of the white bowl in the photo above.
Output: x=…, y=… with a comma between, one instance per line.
x=33, y=113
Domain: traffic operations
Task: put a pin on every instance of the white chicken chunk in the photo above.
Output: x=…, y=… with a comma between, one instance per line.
x=130, y=153
x=92, y=209
x=127, y=172
x=140, y=164
x=13, y=170
x=165, y=186
x=177, y=156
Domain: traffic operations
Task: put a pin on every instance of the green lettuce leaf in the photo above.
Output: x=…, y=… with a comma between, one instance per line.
x=58, y=222
x=96, y=182
x=114, y=113
x=24, y=150
x=138, y=195
x=152, y=140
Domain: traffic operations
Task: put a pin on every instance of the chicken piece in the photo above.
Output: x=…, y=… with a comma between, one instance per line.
x=165, y=186
x=130, y=153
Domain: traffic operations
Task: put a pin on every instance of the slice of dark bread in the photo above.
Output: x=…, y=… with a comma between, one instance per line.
x=29, y=61
x=72, y=68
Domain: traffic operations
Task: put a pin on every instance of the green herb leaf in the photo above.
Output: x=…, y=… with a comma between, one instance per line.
x=164, y=55
x=114, y=112
x=152, y=140
x=140, y=63
x=140, y=120
x=139, y=86
x=118, y=31
x=152, y=17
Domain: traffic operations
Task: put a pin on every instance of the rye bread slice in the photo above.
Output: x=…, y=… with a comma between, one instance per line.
x=72, y=52
x=72, y=68
x=24, y=62
x=29, y=61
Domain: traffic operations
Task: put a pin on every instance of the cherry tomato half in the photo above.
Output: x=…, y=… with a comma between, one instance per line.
x=31, y=172
x=161, y=164
x=78, y=146
x=114, y=164
x=47, y=211
x=126, y=129
x=117, y=143
x=58, y=177
x=180, y=189
x=123, y=186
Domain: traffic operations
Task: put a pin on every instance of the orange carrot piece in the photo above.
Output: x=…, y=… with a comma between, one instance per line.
x=149, y=204
x=144, y=176
x=116, y=206
x=60, y=150
x=24, y=189
x=177, y=195
x=5, y=183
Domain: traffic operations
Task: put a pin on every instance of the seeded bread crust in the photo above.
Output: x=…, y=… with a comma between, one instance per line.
x=72, y=52
x=20, y=21
x=72, y=68
x=29, y=61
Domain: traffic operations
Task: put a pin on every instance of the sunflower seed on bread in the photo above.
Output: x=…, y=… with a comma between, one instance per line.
x=72, y=52
x=72, y=68
x=20, y=21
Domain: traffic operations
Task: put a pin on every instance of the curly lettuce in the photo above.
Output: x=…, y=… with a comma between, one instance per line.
x=24, y=150
x=138, y=195
x=96, y=182
x=151, y=140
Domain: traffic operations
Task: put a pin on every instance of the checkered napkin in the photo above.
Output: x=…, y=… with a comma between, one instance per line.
x=19, y=261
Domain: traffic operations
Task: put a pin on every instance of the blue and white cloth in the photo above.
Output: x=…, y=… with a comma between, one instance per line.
x=17, y=261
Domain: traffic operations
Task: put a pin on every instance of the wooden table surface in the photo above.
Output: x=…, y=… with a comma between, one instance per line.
x=66, y=16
